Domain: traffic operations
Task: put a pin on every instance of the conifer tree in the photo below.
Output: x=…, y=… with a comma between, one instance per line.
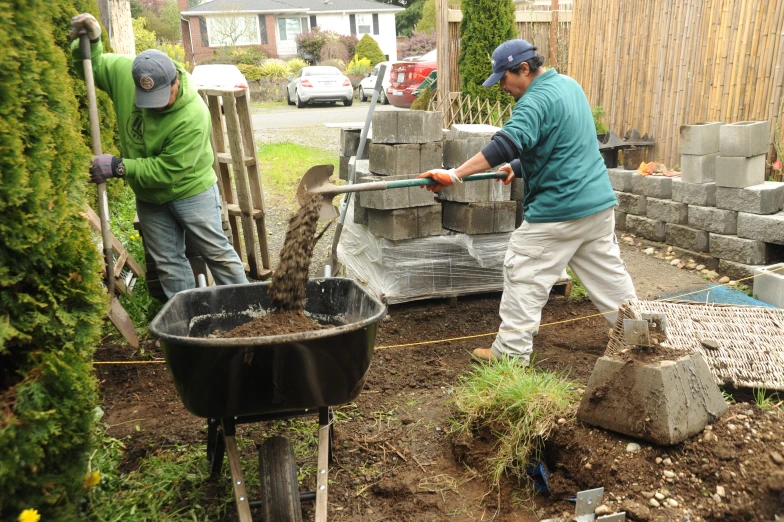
x=368, y=48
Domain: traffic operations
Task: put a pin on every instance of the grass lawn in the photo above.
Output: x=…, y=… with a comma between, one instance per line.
x=283, y=164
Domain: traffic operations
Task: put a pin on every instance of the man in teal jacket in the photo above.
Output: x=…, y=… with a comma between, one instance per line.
x=167, y=159
x=550, y=141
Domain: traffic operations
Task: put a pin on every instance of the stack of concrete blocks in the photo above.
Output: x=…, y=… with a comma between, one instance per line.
x=475, y=207
x=405, y=144
x=349, y=145
x=721, y=210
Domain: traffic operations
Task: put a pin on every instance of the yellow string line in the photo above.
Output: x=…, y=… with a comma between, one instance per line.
x=495, y=332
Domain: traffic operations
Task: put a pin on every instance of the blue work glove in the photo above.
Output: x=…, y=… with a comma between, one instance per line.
x=106, y=166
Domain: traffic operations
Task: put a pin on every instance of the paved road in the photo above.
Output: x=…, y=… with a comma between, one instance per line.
x=285, y=116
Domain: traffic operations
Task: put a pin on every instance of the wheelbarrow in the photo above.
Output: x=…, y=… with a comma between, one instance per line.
x=254, y=379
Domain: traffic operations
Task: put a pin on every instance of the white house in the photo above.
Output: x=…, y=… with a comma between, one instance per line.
x=273, y=25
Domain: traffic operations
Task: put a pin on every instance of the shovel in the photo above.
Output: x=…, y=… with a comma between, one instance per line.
x=316, y=182
x=116, y=313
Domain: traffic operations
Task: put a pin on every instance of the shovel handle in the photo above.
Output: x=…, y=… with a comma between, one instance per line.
x=403, y=183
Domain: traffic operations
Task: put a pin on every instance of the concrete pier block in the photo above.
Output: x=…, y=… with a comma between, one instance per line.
x=700, y=138
x=407, y=127
x=686, y=237
x=431, y=156
x=714, y=220
x=480, y=218
x=621, y=179
x=698, y=169
x=667, y=210
x=652, y=186
x=395, y=160
x=769, y=284
x=349, y=143
x=406, y=223
x=744, y=139
x=739, y=172
x=765, y=198
x=702, y=194
x=392, y=199
x=746, y=251
x=476, y=191
x=632, y=203
x=663, y=402
x=457, y=152
x=768, y=228
x=643, y=227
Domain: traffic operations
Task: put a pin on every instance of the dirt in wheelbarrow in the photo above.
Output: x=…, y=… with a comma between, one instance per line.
x=395, y=460
x=276, y=323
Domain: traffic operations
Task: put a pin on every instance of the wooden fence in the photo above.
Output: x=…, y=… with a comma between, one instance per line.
x=655, y=65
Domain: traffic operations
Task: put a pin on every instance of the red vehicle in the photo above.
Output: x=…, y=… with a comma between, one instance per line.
x=407, y=76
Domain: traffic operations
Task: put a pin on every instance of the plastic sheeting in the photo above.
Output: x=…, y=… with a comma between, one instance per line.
x=438, y=266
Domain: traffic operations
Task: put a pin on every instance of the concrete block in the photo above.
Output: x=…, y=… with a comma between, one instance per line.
x=391, y=199
x=462, y=131
x=667, y=210
x=517, y=189
x=744, y=139
x=652, y=186
x=411, y=127
x=476, y=191
x=698, y=169
x=621, y=179
x=765, y=198
x=619, y=398
x=349, y=143
x=620, y=220
x=363, y=168
x=769, y=228
x=480, y=218
x=702, y=194
x=343, y=168
x=686, y=237
x=457, y=152
x=631, y=203
x=385, y=126
x=735, y=270
x=519, y=214
x=395, y=160
x=646, y=228
x=746, y=251
x=769, y=284
x=360, y=212
x=714, y=220
x=737, y=172
x=700, y=138
x=405, y=223
x=431, y=156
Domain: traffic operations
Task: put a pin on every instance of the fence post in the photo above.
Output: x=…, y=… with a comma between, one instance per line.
x=553, y=61
x=442, y=52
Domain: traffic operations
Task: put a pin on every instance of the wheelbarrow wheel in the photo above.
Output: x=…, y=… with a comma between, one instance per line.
x=279, y=487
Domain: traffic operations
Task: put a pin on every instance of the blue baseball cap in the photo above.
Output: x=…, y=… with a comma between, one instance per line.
x=507, y=55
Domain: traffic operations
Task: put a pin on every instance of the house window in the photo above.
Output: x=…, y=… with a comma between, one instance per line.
x=233, y=30
x=313, y=23
x=289, y=28
x=263, y=29
x=364, y=24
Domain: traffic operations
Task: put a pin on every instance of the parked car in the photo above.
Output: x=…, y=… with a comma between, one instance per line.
x=406, y=76
x=218, y=76
x=319, y=83
x=367, y=85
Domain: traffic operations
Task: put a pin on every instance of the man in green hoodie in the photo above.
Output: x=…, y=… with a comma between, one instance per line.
x=167, y=159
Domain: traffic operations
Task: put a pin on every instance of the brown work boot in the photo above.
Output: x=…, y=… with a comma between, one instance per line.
x=484, y=355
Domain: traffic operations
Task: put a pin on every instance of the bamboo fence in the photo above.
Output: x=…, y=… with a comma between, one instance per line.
x=655, y=65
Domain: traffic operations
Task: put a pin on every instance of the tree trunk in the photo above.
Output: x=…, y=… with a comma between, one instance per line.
x=116, y=19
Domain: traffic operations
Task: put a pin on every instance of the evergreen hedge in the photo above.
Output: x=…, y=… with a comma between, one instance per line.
x=51, y=300
x=368, y=48
x=486, y=24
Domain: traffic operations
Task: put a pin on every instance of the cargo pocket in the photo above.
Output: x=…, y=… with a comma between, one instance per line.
x=523, y=264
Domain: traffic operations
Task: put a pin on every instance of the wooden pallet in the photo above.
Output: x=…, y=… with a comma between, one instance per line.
x=236, y=148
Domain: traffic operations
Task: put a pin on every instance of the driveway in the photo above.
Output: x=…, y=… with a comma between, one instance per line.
x=288, y=116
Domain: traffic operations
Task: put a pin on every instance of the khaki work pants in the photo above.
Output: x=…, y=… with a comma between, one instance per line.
x=538, y=254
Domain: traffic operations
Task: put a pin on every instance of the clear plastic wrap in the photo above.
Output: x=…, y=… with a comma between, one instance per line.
x=438, y=266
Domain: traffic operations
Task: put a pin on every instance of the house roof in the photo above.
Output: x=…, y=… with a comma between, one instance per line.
x=214, y=7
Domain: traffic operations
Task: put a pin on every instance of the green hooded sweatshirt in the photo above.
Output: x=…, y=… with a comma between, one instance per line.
x=167, y=155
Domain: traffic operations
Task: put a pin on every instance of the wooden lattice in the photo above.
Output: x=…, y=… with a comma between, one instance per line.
x=464, y=108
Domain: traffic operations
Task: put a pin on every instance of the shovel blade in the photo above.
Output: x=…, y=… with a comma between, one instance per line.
x=314, y=179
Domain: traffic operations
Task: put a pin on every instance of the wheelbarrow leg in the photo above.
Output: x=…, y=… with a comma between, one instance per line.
x=237, y=477
x=324, y=456
x=215, y=447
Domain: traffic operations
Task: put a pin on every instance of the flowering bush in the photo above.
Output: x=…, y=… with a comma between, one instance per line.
x=417, y=44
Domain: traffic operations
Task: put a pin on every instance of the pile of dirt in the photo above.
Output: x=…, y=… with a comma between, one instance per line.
x=277, y=323
x=287, y=290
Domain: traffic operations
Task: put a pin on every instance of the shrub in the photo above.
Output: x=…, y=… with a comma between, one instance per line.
x=368, y=48
x=598, y=119
x=340, y=64
x=406, y=20
x=418, y=44
x=422, y=102
x=427, y=22
x=251, y=72
x=309, y=44
x=247, y=55
x=143, y=38
x=275, y=69
x=176, y=52
x=295, y=64
x=358, y=66
x=351, y=42
x=490, y=23
x=334, y=50
x=50, y=294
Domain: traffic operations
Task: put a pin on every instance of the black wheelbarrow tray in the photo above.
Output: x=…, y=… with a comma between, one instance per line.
x=253, y=379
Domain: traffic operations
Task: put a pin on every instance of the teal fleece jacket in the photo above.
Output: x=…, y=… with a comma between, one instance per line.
x=553, y=135
x=167, y=155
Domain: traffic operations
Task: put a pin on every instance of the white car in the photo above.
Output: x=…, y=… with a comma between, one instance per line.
x=218, y=76
x=368, y=83
x=319, y=83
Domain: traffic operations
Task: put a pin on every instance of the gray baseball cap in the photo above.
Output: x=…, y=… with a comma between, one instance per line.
x=153, y=73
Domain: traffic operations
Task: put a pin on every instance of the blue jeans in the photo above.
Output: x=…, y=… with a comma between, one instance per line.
x=164, y=228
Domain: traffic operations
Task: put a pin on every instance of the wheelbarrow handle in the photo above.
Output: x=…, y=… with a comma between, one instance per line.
x=403, y=183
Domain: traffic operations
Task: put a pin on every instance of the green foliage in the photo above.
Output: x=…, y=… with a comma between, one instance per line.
x=165, y=22
x=578, y=290
x=486, y=24
x=334, y=50
x=283, y=163
x=295, y=64
x=598, y=119
x=247, y=55
x=517, y=405
x=309, y=44
x=340, y=64
x=143, y=38
x=51, y=301
x=176, y=52
x=275, y=69
x=427, y=23
x=422, y=102
x=407, y=19
x=358, y=67
x=251, y=72
x=368, y=48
